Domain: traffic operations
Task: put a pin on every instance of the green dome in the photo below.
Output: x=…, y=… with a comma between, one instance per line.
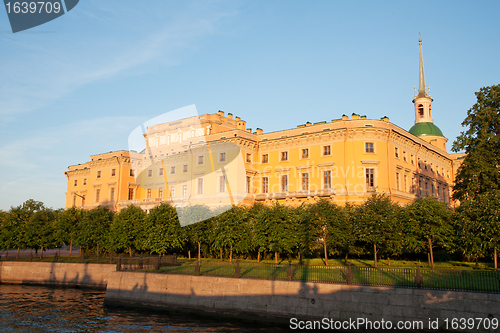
x=421, y=129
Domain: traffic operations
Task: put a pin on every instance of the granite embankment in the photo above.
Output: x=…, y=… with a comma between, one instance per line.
x=266, y=298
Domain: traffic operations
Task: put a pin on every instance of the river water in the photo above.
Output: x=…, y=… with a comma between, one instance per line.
x=52, y=309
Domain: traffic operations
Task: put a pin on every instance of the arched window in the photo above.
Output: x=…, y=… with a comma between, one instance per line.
x=421, y=110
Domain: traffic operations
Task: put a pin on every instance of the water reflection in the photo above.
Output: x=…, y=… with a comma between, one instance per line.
x=47, y=309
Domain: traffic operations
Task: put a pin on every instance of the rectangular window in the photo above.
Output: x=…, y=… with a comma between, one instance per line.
x=249, y=182
x=420, y=189
x=97, y=195
x=327, y=150
x=305, y=181
x=249, y=158
x=327, y=180
x=284, y=183
x=397, y=181
x=200, y=160
x=150, y=173
x=130, y=193
x=222, y=184
x=74, y=200
x=405, y=184
x=265, y=185
x=412, y=160
x=75, y=183
x=185, y=168
x=84, y=181
x=369, y=147
x=131, y=173
x=396, y=152
x=172, y=170
x=222, y=157
x=265, y=158
x=112, y=194
x=83, y=200
x=98, y=174
x=404, y=156
x=284, y=156
x=113, y=172
x=438, y=190
x=172, y=191
x=200, y=185
x=148, y=195
x=160, y=193
x=426, y=188
x=184, y=190
x=425, y=165
x=160, y=172
x=305, y=153
x=370, y=177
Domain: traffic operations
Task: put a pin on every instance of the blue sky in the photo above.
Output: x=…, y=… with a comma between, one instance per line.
x=78, y=85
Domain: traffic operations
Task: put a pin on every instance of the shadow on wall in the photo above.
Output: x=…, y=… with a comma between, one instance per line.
x=284, y=300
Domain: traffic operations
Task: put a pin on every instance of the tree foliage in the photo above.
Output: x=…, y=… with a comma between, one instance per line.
x=478, y=225
x=480, y=170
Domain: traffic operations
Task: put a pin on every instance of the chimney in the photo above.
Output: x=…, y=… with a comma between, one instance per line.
x=344, y=117
x=259, y=131
x=230, y=116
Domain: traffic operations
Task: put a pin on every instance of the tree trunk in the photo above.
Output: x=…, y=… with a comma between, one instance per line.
x=97, y=251
x=477, y=262
x=300, y=258
x=189, y=254
x=221, y=254
x=17, y=254
x=326, y=253
x=389, y=261
x=130, y=251
x=429, y=258
x=258, y=256
x=346, y=258
x=59, y=252
x=430, y=251
x=70, y=248
x=41, y=252
x=375, y=253
x=199, y=251
x=276, y=256
x=495, y=258
x=231, y=254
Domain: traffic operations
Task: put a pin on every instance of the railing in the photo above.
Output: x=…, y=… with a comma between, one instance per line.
x=440, y=279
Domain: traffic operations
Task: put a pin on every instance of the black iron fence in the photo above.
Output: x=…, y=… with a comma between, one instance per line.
x=441, y=279
x=417, y=277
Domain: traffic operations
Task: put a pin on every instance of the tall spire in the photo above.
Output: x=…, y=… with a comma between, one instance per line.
x=421, y=75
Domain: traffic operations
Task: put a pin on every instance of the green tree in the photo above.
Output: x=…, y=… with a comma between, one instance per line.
x=478, y=226
x=68, y=223
x=328, y=224
x=196, y=233
x=232, y=232
x=276, y=230
x=164, y=230
x=378, y=222
x=480, y=170
x=94, y=231
x=17, y=224
x=127, y=229
x=40, y=231
x=428, y=223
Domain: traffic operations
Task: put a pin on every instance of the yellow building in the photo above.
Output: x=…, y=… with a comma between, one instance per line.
x=213, y=159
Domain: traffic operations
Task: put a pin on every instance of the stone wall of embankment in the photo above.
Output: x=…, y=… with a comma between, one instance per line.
x=54, y=273
x=306, y=301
